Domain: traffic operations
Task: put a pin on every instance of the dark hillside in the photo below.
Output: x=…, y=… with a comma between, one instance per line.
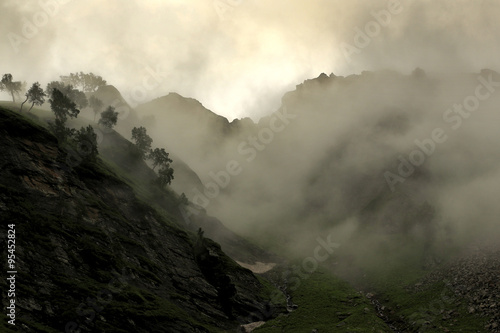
x=90, y=253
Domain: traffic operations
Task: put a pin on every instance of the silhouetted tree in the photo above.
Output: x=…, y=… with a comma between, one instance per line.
x=159, y=157
x=96, y=104
x=165, y=175
x=86, y=140
x=77, y=96
x=56, y=85
x=142, y=140
x=35, y=95
x=62, y=133
x=109, y=117
x=12, y=87
x=63, y=88
x=63, y=108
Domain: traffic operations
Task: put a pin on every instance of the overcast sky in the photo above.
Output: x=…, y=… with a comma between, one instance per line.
x=238, y=57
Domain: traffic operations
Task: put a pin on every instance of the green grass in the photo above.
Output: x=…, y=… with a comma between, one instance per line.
x=269, y=291
x=421, y=309
x=427, y=310
x=392, y=275
x=328, y=304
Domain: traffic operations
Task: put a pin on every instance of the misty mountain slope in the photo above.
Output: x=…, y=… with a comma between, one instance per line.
x=109, y=95
x=342, y=135
x=194, y=133
x=348, y=132
x=91, y=254
x=119, y=151
x=184, y=119
x=185, y=177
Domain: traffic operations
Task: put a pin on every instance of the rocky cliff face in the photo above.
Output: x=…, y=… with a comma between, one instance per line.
x=92, y=256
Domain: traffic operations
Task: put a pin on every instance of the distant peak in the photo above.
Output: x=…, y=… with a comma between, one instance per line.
x=322, y=76
x=174, y=94
x=178, y=97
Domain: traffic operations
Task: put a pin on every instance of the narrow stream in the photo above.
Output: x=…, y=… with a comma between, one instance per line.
x=290, y=306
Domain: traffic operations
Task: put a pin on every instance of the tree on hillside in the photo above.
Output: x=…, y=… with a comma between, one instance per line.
x=88, y=82
x=56, y=85
x=96, y=104
x=63, y=107
x=109, y=117
x=79, y=98
x=71, y=80
x=75, y=95
x=12, y=87
x=142, y=140
x=86, y=140
x=35, y=95
x=92, y=82
x=159, y=157
x=62, y=133
x=165, y=175
x=63, y=88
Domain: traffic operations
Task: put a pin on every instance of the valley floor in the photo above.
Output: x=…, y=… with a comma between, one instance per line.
x=459, y=295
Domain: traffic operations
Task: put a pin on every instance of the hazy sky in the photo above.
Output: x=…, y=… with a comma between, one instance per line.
x=238, y=57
